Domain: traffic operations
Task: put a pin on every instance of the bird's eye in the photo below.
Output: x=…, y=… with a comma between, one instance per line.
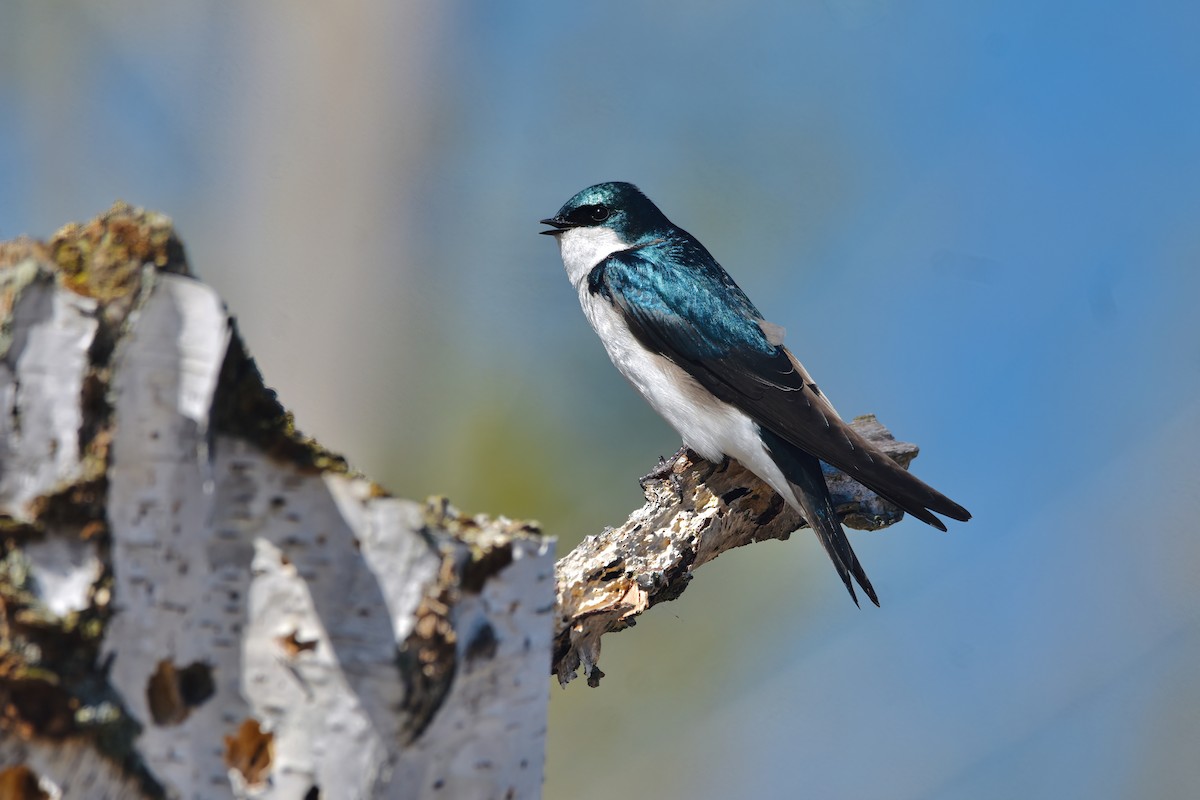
x=588, y=215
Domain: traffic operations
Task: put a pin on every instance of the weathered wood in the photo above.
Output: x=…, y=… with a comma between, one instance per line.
x=695, y=510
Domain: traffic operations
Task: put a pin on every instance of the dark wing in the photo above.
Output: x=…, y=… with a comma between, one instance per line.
x=803, y=472
x=730, y=356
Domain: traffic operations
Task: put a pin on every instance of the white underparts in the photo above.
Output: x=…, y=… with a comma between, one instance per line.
x=584, y=248
x=711, y=427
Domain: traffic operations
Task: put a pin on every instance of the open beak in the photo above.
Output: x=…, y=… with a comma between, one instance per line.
x=557, y=224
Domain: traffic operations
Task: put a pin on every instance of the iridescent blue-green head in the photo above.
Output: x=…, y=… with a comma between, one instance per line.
x=620, y=207
x=602, y=220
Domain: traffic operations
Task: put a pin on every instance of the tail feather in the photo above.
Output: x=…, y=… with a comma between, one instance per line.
x=812, y=424
x=892, y=482
x=804, y=474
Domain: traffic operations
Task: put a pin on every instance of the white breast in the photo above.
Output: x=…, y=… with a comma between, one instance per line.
x=710, y=426
x=584, y=248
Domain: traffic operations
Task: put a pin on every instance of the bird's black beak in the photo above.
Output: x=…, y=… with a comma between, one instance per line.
x=558, y=225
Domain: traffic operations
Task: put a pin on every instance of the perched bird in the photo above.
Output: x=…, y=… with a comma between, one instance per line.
x=682, y=332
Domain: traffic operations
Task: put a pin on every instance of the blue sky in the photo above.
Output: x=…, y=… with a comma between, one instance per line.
x=976, y=220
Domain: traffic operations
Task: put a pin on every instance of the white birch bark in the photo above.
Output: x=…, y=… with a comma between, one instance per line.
x=262, y=622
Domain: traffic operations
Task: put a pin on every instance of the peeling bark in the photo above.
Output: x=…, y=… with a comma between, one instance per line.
x=695, y=510
x=198, y=601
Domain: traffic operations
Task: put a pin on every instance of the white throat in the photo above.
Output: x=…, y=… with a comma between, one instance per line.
x=584, y=248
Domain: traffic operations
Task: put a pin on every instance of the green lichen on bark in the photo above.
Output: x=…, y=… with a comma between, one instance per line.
x=52, y=685
x=472, y=550
x=105, y=258
x=245, y=408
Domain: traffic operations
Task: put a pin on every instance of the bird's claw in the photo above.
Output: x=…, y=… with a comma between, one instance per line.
x=661, y=471
x=665, y=471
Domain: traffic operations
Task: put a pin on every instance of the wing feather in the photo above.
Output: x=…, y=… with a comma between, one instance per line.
x=732, y=356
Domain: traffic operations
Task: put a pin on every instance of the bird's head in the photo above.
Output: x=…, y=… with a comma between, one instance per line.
x=602, y=220
x=616, y=206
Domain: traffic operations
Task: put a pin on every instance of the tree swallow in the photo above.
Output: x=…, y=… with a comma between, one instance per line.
x=682, y=332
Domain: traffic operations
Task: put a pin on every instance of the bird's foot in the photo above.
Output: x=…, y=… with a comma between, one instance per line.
x=661, y=471
x=665, y=470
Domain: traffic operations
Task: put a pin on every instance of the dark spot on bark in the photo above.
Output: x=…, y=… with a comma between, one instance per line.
x=427, y=661
x=611, y=570
x=294, y=645
x=250, y=751
x=483, y=644
x=20, y=783
x=45, y=706
x=171, y=693
x=774, y=509
x=672, y=582
x=734, y=494
x=483, y=566
x=196, y=683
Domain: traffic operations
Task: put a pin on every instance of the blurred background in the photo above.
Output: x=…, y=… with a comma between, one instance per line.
x=977, y=220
